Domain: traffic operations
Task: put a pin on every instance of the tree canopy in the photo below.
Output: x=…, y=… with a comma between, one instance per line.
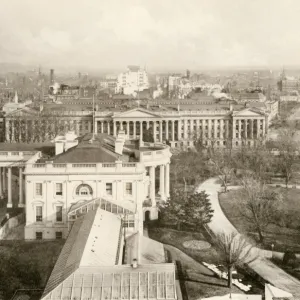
x=193, y=210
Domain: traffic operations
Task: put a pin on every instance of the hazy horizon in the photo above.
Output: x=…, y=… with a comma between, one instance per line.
x=166, y=35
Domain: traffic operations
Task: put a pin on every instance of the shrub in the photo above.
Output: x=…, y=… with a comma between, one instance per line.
x=289, y=258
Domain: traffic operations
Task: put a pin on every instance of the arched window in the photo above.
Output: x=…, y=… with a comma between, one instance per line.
x=84, y=190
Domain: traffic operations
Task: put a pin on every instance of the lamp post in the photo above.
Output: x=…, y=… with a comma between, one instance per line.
x=272, y=246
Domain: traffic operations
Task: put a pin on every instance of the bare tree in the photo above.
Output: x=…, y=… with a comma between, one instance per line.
x=234, y=251
x=258, y=204
x=222, y=164
x=288, y=149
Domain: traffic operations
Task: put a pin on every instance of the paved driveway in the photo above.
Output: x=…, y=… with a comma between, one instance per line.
x=262, y=266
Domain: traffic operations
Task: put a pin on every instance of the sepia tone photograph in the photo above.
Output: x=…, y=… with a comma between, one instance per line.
x=149, y=150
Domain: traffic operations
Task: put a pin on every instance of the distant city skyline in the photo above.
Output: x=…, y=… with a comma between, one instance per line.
x=161, y=35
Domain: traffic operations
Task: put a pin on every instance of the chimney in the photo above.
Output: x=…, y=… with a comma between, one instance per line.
x=134, y=263
x=51, y=76
x=120, y=141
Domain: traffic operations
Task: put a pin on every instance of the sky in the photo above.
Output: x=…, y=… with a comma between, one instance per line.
x=158, y=34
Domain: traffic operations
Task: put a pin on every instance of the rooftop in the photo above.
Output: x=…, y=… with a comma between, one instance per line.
x=85, y=247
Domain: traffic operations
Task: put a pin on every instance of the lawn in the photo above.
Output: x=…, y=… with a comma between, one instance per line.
x=200, y=282
x=285, y=235
x=26, y=265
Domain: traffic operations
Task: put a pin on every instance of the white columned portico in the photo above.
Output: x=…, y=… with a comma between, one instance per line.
x=152, y=185
x=141, y=129
x=4, y=174
x=167, y=130
x=179, y=130
x=1, y=185
x=160, y=131
x=162, y=182
x=173, y=130
x=154, y=130
x=9, y=191
x=167, y=180
x=21, y=200
x=134, y=129
x=115, y=128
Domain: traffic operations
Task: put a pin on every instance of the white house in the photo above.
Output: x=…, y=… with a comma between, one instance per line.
x=109, y=172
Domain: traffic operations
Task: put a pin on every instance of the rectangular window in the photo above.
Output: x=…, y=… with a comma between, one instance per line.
x=58, y=235
x=39, y=189
x=59, y=189
x=128, y=223
x=128, y=190
x=109, y=188
x=39, y=235
x=58, y=213
x=39, y=213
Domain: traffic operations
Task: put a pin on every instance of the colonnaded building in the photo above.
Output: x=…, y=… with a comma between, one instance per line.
x=180, y=123
x=115, y=174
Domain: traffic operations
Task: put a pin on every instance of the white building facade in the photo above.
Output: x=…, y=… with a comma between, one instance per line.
x=133, y=80
x=54, y=188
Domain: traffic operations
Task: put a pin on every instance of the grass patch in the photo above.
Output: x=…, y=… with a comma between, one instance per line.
x=26, y=265
x=293, y=270
x=199, y=281
x=285, y=235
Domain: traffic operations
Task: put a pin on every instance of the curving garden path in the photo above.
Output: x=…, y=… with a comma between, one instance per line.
x=262, y=266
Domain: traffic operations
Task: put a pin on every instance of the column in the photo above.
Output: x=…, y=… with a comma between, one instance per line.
x=252, y=127
x=1, y=187
x=127, y=128
x=197, y=128
x=134, y=130
x=147, y=125
x=209, y=128
x=121, y=125
x=173, y=130
x=246, y=128
x=203, y=130
x=240, y=128
x=115, y=128
x=215, y=129
x=21, y=200
x=102, y=129
x=264, y=127
x=90, y=126
x=9, y=191
x=152, y=186
x=227, y=129
x=167, y=180
x=179, y=130
x=4, y=179
x=222, y=129
x=141, y=129
x=7, y=131
x=185, y=129
x=108, y=127
x=257, y=128
x=160, y=131
x=162, y=182
x=154, y=130
x=96, y=126
x=167, y=129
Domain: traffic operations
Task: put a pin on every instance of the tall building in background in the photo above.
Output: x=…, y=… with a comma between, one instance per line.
x=135, y=79
x=51, y=76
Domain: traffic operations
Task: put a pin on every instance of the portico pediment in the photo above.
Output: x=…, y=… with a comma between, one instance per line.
x=22, y=113
x=136, y=113
x=248, y=113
